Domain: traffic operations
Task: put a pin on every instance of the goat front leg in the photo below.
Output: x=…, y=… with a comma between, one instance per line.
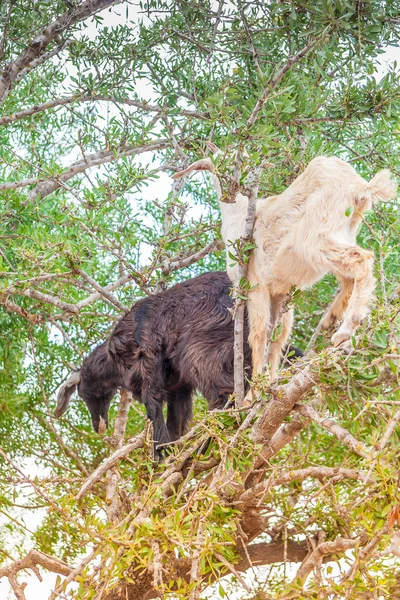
x=276, y=348
x=259, y=311
x=153, y=402
x=153, y=395
x=151, y=373
x=357, y=264
x=179, y=411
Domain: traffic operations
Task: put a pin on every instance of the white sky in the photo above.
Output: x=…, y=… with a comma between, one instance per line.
x=157, y=190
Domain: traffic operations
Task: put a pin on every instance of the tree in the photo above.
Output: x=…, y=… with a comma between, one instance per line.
x=99, y=100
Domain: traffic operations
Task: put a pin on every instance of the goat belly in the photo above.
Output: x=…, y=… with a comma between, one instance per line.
x=295, y=268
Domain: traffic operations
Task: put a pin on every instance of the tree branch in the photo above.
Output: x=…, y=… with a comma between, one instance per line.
x=266, y=553
x=273, y=82
x=41, y=297
x=110, y=462
x=109, y=288
x=35, y=557
x=283, y=436
x=30, y=561
x=269, y=87
x=50, y=183
x=283, y=400
x=186, y=261
x=238, y=291
x=102, y=290
x=42, y=59
x=142, y=105
x=337, y=430
x=263, y=553
x=39, y=44
x=251, y=494
x=113, y=476
x=339, y=545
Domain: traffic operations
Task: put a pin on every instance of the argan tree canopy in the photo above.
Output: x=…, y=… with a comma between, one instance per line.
x=295, y=496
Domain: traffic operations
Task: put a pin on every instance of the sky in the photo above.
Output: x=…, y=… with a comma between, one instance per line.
x=157, y=190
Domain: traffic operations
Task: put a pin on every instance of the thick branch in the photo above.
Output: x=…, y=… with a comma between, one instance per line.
x=34, y=557
x=113, y=476
x=30, y=561
x=315, y=558
x=238, y=352
x=283, y=436
x=253, y=555
x=46, y=298
x=239, y=293
x=265, y=553
x=260, y=554
x=283, y=400
x=318, y=473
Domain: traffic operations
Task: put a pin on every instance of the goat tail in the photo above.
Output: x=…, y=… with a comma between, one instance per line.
x=381, y=188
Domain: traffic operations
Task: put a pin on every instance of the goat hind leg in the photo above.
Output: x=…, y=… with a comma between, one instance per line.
x=337, y=309
x=356, y=264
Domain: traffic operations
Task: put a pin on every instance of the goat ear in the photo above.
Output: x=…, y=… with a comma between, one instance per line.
x=65, y=393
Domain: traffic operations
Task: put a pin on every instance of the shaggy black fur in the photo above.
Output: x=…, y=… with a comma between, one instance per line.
x=168, y=345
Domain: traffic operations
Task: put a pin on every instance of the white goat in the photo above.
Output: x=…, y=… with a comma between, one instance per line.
x=301, y=235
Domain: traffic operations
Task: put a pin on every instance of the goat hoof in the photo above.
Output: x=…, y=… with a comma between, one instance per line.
x=339, y=337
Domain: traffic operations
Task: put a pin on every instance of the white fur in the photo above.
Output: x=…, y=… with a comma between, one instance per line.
x=301, y=235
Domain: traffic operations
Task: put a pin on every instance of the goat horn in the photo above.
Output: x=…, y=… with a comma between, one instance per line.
x=205, y=164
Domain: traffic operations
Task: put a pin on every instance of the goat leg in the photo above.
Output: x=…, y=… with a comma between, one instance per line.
x=337, y=308
x=179, y=412
x=153, y=403
x=357, y=264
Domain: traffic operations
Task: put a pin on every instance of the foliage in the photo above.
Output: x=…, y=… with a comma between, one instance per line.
x=93, y=120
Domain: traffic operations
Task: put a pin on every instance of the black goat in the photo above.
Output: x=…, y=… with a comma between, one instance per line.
x=165, y=347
